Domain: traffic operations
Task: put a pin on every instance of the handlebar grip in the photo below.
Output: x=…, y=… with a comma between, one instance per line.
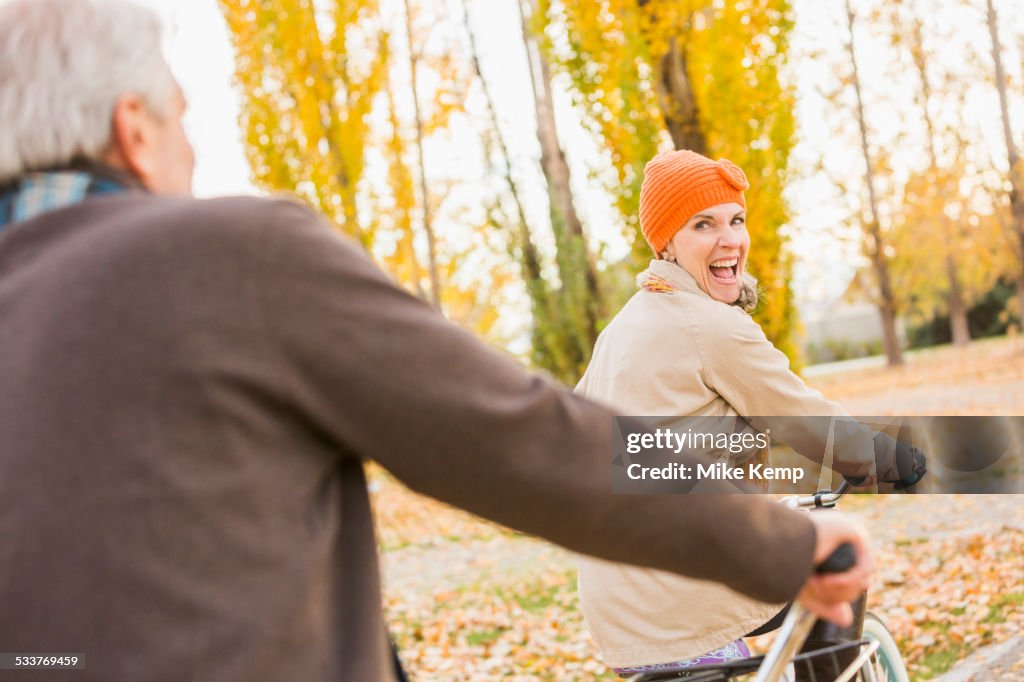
x=842, y=559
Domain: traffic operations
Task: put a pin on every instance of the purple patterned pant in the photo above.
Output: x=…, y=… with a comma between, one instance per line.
x=730, y=652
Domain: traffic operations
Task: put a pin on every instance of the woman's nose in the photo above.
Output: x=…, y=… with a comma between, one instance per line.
x=730, y=241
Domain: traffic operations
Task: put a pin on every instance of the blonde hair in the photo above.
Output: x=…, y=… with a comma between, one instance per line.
x=749, y=293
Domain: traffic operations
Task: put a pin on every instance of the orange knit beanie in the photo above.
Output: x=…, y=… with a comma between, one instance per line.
x=681, y=183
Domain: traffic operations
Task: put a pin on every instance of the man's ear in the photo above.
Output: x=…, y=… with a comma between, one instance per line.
x=132, y=139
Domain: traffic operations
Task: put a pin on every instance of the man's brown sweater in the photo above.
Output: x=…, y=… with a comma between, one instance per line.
x=188, y=391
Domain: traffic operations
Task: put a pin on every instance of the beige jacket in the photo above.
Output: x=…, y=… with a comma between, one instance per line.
x=682, y=354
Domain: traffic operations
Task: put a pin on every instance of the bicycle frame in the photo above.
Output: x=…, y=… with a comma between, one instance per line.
x=792, y=634
x=798, y=622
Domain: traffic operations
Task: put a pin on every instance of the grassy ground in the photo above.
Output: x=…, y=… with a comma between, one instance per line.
x=468, y=600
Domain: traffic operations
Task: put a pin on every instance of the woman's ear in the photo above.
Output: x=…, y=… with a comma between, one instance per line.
x=668, y=254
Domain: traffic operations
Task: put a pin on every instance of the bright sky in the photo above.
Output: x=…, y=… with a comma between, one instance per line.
x=201, y=57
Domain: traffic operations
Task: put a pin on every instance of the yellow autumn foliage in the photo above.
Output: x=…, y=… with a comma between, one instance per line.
x=316, y=78
x=619, y=55
x=308, y=97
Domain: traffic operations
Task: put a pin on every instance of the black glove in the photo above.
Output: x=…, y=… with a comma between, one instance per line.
x=910, y=465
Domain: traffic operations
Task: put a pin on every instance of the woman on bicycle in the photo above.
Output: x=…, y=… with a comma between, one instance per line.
x=685, y=345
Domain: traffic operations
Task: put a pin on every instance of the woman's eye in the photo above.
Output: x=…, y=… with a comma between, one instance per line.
x=702, y=225
x=738, y=220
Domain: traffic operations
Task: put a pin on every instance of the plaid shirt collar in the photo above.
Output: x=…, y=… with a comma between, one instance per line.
x=39, y=192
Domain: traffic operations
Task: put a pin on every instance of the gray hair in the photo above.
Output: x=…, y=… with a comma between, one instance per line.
x=63, y=66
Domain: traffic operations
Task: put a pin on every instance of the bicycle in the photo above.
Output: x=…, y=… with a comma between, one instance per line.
x=877, y=658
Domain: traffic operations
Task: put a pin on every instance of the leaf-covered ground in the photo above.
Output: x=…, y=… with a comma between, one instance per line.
x=468, y=600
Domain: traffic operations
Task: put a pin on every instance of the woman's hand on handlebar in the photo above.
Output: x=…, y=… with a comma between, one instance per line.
x=829, y=595
x=909, y=465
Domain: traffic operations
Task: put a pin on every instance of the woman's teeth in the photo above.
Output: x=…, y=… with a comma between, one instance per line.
x=724, y=269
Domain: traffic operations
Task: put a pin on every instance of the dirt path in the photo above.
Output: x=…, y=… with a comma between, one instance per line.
x=1003, y=662
x=449, y=567
x=987, y=378
x=904, y=518
x=420, y=583
x=889, y=518
x=440, y=551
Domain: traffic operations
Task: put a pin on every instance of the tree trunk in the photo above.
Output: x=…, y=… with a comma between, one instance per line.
x=958, y=327
x=569, y=236
x=957, y=309
x=876, y=246
x=678, y=103
x=1020, y=296
x=530, y=257
x=553, y=162
x=428, y=227
x=405, y=245
x=1016, y=181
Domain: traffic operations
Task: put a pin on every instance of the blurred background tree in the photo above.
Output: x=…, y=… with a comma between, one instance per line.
x=353, y=106
x=324, y=88
x=651, y=75
x=931, y=205
x=307, y=98
x=1015, y=165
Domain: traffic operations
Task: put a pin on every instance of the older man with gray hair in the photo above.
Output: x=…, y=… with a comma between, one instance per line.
x=190, y=390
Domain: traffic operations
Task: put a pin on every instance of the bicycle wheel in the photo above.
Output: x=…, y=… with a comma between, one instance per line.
x=887, y=664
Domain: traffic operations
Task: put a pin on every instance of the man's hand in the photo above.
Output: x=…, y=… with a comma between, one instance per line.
x=829, y=596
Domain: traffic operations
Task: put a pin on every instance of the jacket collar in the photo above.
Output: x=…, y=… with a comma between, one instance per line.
x=665, y=277
x=675, y=275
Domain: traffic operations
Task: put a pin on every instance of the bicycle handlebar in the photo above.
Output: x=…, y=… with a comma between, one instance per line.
x=842, y=559
x=822, y=498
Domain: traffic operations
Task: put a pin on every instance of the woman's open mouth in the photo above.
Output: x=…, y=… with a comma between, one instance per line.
x=724, y=270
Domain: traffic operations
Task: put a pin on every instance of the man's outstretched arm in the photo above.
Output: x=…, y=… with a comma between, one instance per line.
x=385, y=377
